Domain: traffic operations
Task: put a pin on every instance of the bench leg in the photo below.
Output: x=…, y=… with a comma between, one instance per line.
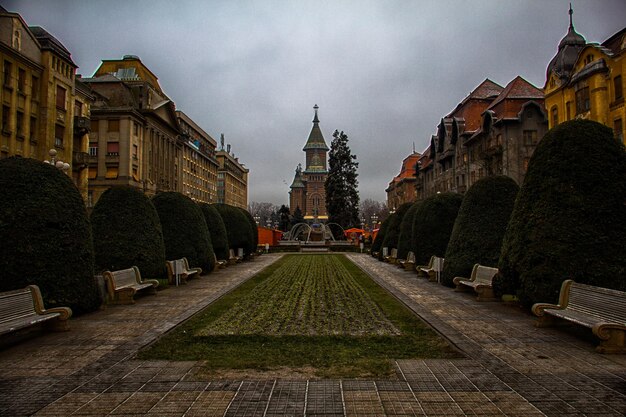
x=124, y=296
x=57, y=325
x=615, y=342
x=461, y=288
x=545, y=321
x=432, y=276
x=485, y=294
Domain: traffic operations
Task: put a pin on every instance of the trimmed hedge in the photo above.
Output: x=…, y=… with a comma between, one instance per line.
x=432, y=225
x=217, y=230
x=255, y=232
x=377, y=245
x=45, y=235
x=393, y=228
x=479, y=227
x=185, y=231
x=126, y=232
x=405, y=239
x=569, y=220
x=237, y=227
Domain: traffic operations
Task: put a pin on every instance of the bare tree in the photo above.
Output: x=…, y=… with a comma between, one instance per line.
x=263, y=212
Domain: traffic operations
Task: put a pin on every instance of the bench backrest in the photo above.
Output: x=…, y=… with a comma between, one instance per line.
x=483, y=274
x=385, y=252
x=394, y=252
x=240, y=252
x=231, y=253
x=437, y=263
x=610, y=305
x=16, y=305
x=410, y=257
x=126, y=277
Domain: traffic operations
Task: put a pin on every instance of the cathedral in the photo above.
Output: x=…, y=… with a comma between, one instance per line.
x=307, y=189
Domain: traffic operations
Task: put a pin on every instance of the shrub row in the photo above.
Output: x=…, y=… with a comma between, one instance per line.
x=568, y=220
x=49, y=240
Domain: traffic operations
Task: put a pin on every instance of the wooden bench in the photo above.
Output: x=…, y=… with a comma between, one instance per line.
x=601, y=309
x=392, y=257
x=232, y=258
x=432, y=270
x=24, y=308
x=123, y=284
x=408, y=263
x=219, y=263
x=181, y=267
x=480, y=280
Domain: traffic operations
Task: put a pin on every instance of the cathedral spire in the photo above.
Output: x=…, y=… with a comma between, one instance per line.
x=315, y=119
x=571, y=12
x=316, y=139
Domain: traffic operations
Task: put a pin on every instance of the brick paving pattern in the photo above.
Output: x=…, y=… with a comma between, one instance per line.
x=510, y=368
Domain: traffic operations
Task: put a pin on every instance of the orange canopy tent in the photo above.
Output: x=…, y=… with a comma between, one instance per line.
x=353, y=232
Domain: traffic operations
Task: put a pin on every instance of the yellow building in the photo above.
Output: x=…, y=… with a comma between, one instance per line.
x=586, y=81
x=232, y=179
x=42, y=108
x=199, y=161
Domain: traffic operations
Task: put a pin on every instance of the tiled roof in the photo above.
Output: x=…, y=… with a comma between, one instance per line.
x=49, y=42
x=518, y=89
x=616, y=43
x=485, y=90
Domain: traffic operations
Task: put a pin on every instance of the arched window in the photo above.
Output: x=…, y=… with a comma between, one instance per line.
x=554, y=116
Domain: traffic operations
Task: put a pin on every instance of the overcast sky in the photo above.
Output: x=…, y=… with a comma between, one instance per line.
x=385, y=72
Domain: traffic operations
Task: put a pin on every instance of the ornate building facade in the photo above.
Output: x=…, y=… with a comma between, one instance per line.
x=587, y=81
x=402, y=188
x=232, y=178
x=307, y=189
x=45, y=111
x=492, y=131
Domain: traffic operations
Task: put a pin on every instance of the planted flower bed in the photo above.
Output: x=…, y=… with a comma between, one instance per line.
x=318, y=312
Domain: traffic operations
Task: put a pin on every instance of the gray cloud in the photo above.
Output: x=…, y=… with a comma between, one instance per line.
x=384, y=72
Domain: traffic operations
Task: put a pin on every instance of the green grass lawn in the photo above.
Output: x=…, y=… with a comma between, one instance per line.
x=318, y=311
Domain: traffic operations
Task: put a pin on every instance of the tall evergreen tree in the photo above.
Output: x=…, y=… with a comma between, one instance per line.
x=342, y=195
x=297, y=217
x=283, y=222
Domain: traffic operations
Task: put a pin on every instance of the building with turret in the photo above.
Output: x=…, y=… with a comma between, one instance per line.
x=587, y=81
x=307, y=189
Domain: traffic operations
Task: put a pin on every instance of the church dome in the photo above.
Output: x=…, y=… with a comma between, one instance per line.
x=569, y=47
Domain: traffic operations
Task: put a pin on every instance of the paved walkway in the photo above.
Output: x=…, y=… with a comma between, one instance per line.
x=511, y=368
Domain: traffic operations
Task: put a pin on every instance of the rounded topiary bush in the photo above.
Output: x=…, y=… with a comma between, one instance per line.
x=185, y=232
x=377, y=245
x=127, y=232
x=432, y=225
x=405, y=239
x=217, y=230
x=479, y=227
x=569, y=219
x=393, y=228
x=237, y=227
x=45, y=235
x=252, y=244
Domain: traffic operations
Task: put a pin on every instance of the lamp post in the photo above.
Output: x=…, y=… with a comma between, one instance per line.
x=374, y=221
x=63, y=166
x=257, y=219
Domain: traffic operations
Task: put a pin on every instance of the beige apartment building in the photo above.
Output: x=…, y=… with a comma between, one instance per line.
x=232, y=179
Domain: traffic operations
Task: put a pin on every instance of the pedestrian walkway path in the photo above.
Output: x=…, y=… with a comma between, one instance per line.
x=510, y=368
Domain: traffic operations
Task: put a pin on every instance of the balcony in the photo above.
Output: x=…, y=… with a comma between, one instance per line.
x=80, y=159
x=82, y=125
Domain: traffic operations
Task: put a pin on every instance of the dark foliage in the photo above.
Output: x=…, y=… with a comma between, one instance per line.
x=569, y=220
x=217, y=230
x=253, y=242
x=432, y=225
x=479, y=227
x=405, y=239
x=45, y=235
x=297, y=217
x=127, y=232
x=393, y=228
x=237, y=225
x=342, y=194
x=377, y=245
x=283, y=222
x=185, y=231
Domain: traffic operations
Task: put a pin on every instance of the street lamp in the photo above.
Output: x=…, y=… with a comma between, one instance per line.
x=257, y=219
x=63, y=166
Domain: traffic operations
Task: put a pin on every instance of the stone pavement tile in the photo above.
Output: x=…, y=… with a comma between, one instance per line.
x=66, y=405
x=174, y=402
x=103, y=403
x=211, y=403
x=400, y=403
x=362, y=403
x=138, y=403
x=288, y=398
x=324, y=398
x=251, y=399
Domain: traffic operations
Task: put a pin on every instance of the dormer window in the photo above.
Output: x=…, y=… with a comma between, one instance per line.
x=589, y=59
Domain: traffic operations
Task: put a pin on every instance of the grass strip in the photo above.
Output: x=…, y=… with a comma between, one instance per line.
x=300, y=279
